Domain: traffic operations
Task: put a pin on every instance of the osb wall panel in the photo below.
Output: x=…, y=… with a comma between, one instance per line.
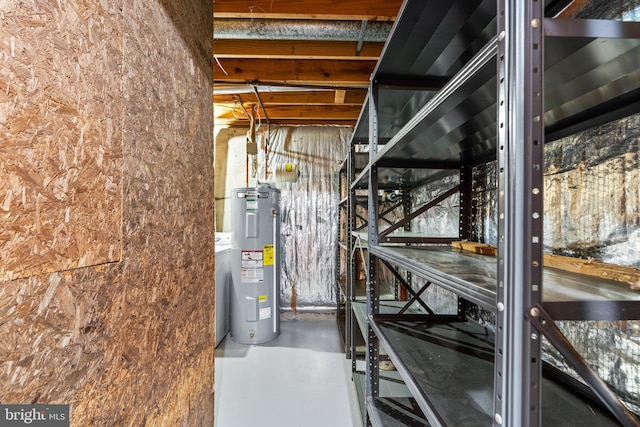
x=53, y=335
x=188, y=17
x=61, y=140
x=165, y=307
x=131, y=343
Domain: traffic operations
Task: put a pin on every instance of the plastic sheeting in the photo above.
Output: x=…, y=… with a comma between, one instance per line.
x=592, y=209
x=309, y=210
x=592, y=194
x=442, y=219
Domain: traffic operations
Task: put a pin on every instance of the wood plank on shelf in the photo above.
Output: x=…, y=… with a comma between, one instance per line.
x=588, y=267
x=475, y=247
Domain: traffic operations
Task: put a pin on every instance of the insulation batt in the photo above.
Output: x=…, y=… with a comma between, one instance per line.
x=309, y=210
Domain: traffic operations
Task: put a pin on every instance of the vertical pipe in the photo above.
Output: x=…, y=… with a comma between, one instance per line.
x=363, y=28
x=276, y=267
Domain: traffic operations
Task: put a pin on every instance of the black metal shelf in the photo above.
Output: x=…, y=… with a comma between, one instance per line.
x=592, y=75
x=386, y=412
x=387, y=306
x=395, y=407
x=401, y=237
x=460, y=84
x=474, y=277
x=431, y=41
x=449, y=368
x=458, y=125
x=361, y=130
x=405, y=174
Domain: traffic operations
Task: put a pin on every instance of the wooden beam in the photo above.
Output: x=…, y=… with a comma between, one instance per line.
x=339, y=96
x=573, y=9
x=233, y=111
x=589, y=267
x=294, y=72
x=313, y=112
x=295, y=49
x=475, y=247
x=311, y=97
x=324, y=112
x=371, y=10
x=630, y=275
x=283, y=122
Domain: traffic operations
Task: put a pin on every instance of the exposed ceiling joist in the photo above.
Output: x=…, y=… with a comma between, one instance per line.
x=302, y=98
x=312, y=112
x=340, y=96
x=319, y=73
x=310, y=61
x=371, y=10
x=296, y=49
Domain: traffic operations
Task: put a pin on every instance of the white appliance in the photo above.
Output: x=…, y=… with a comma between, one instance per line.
x=223, y=284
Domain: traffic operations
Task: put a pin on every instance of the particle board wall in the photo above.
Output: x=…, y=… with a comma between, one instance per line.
x=114, y=126
x=60, y=159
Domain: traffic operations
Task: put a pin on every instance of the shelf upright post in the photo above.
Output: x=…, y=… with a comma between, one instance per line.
x=342, y=210
x=466, y=200
x=351, y=261
x=406, y=211
x=373, y=288
x=464, y=222
x=517, y=376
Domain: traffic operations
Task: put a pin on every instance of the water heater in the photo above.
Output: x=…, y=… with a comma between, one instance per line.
x=255, y=246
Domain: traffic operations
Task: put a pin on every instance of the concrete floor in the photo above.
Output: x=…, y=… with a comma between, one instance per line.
x=302, y=378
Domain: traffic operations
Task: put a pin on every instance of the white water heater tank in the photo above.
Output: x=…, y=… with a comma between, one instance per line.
x=255, y=246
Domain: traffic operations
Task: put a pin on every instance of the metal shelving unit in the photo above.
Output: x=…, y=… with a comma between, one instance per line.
x=459, y=84
x=342, y=254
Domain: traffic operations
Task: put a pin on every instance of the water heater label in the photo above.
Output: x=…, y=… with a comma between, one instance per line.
x=265, y=313
x=252, y=205
x=252, y=275
x=268, y=254
x=252, y=259
x=252, y=263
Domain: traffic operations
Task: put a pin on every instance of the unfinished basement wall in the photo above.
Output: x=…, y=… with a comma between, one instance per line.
x=231, y=171
x=592, y=199
x=309, y=209
x=591, y=210
x=592, y=205
x=106, y=199
x=309, y=206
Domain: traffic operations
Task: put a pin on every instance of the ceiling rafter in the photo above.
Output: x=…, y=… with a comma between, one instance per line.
x=331, y=75
x=370, y=10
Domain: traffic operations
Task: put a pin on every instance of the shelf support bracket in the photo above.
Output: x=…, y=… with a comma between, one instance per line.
x=545, y=324
x=416, y=297
x=420, y=210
